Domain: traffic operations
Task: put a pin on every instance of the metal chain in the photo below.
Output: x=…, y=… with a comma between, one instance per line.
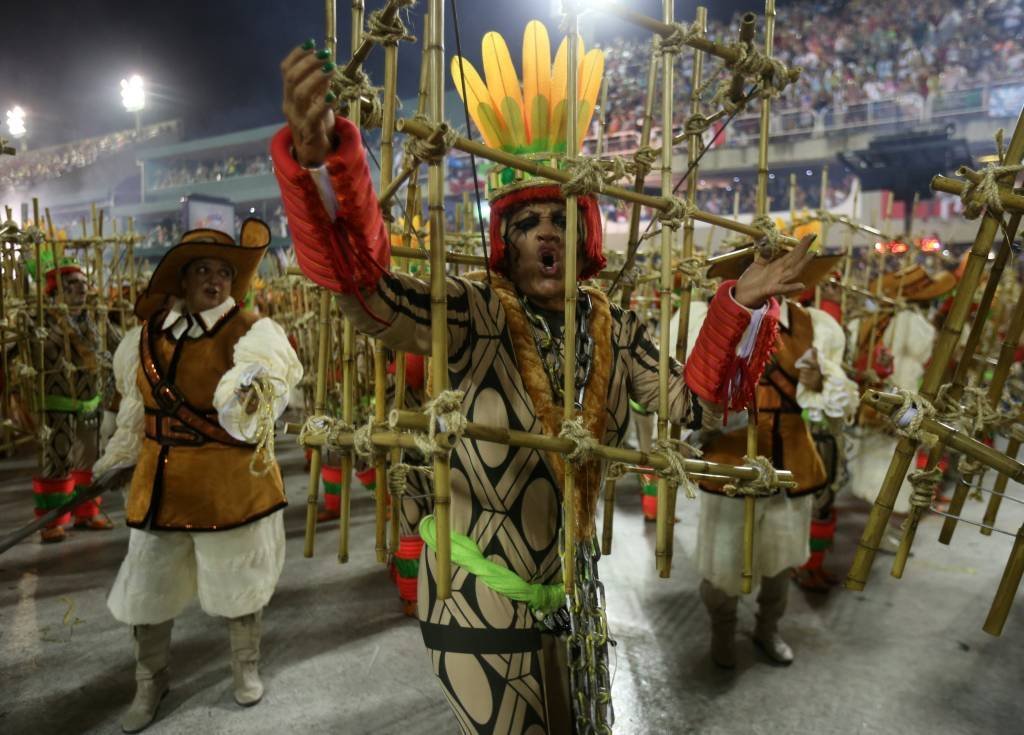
x=549, y=346
x=590, y=681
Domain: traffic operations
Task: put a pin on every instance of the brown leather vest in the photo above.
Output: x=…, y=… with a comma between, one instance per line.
x=191, y=475
x=782, y=433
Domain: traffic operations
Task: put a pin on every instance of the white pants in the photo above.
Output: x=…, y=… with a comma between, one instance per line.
x=233, y=572
x=781, y=537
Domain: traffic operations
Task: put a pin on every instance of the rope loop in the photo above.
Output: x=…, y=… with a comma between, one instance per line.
x=388, y=33
x=923, y=483
x=764, y=485
x=583, y=441
x=267, y=390
x=589, y=175
x=676, y=213
x=426, y=150
x=444, y=411
x=772, y=246
x=678, y=39
x=355, y=89
x=676, y=472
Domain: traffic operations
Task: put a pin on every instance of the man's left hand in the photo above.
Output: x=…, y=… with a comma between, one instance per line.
x=763, y=279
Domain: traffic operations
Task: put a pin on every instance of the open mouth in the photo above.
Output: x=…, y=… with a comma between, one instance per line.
x=549, y=264
x=212, y=292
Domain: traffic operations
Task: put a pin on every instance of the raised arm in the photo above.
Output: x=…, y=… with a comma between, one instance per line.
x=339, y=234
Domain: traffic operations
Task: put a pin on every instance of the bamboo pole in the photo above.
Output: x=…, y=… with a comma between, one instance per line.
x=749, y=503
x=632, y=243
x=609, y=515
x=416, y=421
x=40, y=341
x=1008, y=586
x=1011, y=201
x=348, y=344
x=569, y=408
x=387, y=168
x=323, y=342
x=387, y=164
x=662, y=552
x=694, y=144
x=660, y=203
x=438, y=296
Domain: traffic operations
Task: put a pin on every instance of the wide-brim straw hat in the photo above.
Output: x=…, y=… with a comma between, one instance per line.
x=914, y=283
x=810, y=276
x=244, y=256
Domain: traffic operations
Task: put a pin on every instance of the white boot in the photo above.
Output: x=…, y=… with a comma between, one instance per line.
x=152, y=679
x=245, y=658
x=771, y=604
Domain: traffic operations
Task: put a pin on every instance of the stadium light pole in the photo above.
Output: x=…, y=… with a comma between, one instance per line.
x=133, y=97
x=16, y=124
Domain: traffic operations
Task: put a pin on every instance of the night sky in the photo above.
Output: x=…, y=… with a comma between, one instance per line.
x=213, y=64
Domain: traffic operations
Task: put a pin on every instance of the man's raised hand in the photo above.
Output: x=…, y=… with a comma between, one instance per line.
x=763, y=280
x=306, y=74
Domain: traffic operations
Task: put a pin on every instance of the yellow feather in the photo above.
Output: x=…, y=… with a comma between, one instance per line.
x=591, y=72
x=479, y=97
x=503, y=83
x=559, y=89
x=536, y=80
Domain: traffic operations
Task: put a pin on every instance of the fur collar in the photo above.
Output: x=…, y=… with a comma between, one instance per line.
x=595, y=401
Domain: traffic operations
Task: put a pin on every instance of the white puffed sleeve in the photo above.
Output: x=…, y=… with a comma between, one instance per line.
x=910, y=337
x=263, y=351
x=123, y=448
x=838, y=395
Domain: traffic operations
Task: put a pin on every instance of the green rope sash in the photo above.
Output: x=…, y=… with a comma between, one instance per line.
x=65, y=404
x=543, y=599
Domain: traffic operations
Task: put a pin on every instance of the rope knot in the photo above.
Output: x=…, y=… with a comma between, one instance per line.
x=765, y=484
x=676, y=474
x=386, y=32
x=770, y=248
x=589, y=175
x=583, y=441
x=678, y=39
x=676, y=213
x=434, y=148
x=444, y=412
x=355, y=89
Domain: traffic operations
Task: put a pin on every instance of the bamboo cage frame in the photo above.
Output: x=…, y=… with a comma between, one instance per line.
x=432, y=93
x=90, y=251
x=950, y=334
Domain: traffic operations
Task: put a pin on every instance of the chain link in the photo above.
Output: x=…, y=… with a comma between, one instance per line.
x=589, y=670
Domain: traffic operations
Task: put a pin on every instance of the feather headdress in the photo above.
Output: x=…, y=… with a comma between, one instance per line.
x=527, y=117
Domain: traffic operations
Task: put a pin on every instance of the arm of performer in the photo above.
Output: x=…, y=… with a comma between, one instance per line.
x=123, y=448
x=263, y=354
x=738, y=336
x=823, y=385
x=340, y=236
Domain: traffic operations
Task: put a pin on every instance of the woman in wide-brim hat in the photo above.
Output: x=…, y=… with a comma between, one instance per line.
x=203, y=506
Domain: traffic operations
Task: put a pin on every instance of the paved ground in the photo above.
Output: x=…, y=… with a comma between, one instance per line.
x=339, y=657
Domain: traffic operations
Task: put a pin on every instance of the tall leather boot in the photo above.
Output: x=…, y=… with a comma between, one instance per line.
x=245, y=657
x=722, y=611
x=152, y=678
x=771, y=604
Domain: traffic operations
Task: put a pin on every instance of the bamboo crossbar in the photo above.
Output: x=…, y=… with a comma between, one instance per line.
x=415, y=421
x=660, y=203
x=887, y=403
x=1011, y=202
x=728, y=53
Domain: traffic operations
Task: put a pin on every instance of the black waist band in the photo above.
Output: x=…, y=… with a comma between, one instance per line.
x=452, y=639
